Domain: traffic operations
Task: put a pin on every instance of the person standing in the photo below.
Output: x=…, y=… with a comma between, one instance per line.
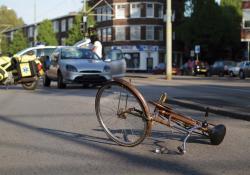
x=96, y=45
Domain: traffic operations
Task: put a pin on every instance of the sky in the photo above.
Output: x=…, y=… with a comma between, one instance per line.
x=45, y=9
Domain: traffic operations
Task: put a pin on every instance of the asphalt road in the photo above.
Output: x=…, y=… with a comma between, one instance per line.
x=51, y=131
x=223, y=95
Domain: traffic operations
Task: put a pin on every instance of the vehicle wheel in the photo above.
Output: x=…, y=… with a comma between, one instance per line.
x=60, y=83
x=121, y=112
x=242, y=75
x=46, y=81
x=208, y=74
x=231, y=74
x=221, y=74
x=30, y=85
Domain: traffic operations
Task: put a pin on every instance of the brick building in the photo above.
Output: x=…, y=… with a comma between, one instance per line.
x=137, y=27
x=61, y=26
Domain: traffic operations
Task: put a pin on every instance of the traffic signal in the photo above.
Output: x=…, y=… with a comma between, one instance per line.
x=84, y=24
x=83, y=27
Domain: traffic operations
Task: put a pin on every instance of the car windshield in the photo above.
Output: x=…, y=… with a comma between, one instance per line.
x=77, y=53
x=45, y=51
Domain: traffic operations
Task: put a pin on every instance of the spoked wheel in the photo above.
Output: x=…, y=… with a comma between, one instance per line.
x=121, y=112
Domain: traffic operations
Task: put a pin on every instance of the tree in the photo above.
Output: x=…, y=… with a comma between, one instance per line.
x=4, y=45
x=46, y=33
x=216, y=30
x=232, y=15
x=8, y=17
x=18, y=43
x=75, y=33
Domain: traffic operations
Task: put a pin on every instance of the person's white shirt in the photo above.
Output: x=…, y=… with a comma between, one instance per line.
x=97, y=48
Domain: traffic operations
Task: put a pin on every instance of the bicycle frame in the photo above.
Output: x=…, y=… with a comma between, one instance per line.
x=166, y=115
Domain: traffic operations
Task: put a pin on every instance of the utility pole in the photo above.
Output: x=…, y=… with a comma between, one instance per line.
x=169, y=40
x=35, y=23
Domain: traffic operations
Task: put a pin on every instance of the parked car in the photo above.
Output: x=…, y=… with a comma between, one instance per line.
x=234, y=70
x=70, y=64
x=185, y=70
x=244, y=69
x=161, y=69
x=200, y=68
x=221, y=67
x=39, y=51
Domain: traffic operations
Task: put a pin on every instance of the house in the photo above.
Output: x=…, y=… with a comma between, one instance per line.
x=138, y=29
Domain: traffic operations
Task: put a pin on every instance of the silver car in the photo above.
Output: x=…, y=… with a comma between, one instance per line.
x=76, y=65
x=244, y=69
x=234, y=71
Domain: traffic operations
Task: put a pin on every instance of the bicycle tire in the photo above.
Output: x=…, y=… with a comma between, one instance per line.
x=131, y=128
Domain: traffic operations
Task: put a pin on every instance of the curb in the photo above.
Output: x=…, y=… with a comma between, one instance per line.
x=212, y=109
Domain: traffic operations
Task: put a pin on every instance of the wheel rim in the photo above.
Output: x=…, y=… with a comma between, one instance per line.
x=124, y=128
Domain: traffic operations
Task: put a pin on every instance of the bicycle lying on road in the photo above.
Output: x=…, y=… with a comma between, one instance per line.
x=124, y=115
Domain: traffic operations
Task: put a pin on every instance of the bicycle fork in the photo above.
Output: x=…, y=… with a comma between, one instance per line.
x=182, y=148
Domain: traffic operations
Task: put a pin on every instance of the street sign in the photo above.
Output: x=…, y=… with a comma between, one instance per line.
x=192, y=53
x=197, y=49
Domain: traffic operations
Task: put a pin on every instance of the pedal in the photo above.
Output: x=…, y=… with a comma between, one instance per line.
x=163, y=98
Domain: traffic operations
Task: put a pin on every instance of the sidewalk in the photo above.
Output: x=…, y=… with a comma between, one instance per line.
x=225, y=108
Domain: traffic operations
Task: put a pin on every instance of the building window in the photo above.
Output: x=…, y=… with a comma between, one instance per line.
x=104, y=35
x=70, y=23
x=30, y=32
x=109, y=13
x=135, y=32
x=104, y=13
x=120, y=33
x=109, y=34
x=135, y=11
x=120, y=11
x=159, y=33
x=63, y=25
x=99, y=13
x=150, y=32
x=99, y=34
x=11, y=36
x=247, y=24
x=55, y=26
x=63, y=41
x=160, y=11
x=150, y=10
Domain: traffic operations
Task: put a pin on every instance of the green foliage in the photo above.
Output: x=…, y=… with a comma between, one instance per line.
x=4, y=45
x=216, y=28
x=9, y=18
x=75, y=34
x=18, y=43
x=91, y=19
x=46, y=33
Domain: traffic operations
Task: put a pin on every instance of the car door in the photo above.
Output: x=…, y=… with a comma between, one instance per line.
x=53, y=67
x=117, y=63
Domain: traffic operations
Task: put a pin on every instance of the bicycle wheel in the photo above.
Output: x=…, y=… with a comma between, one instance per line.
x=122, y=113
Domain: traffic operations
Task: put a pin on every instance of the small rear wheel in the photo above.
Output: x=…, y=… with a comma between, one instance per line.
x=30, y=85
x=122, y=113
